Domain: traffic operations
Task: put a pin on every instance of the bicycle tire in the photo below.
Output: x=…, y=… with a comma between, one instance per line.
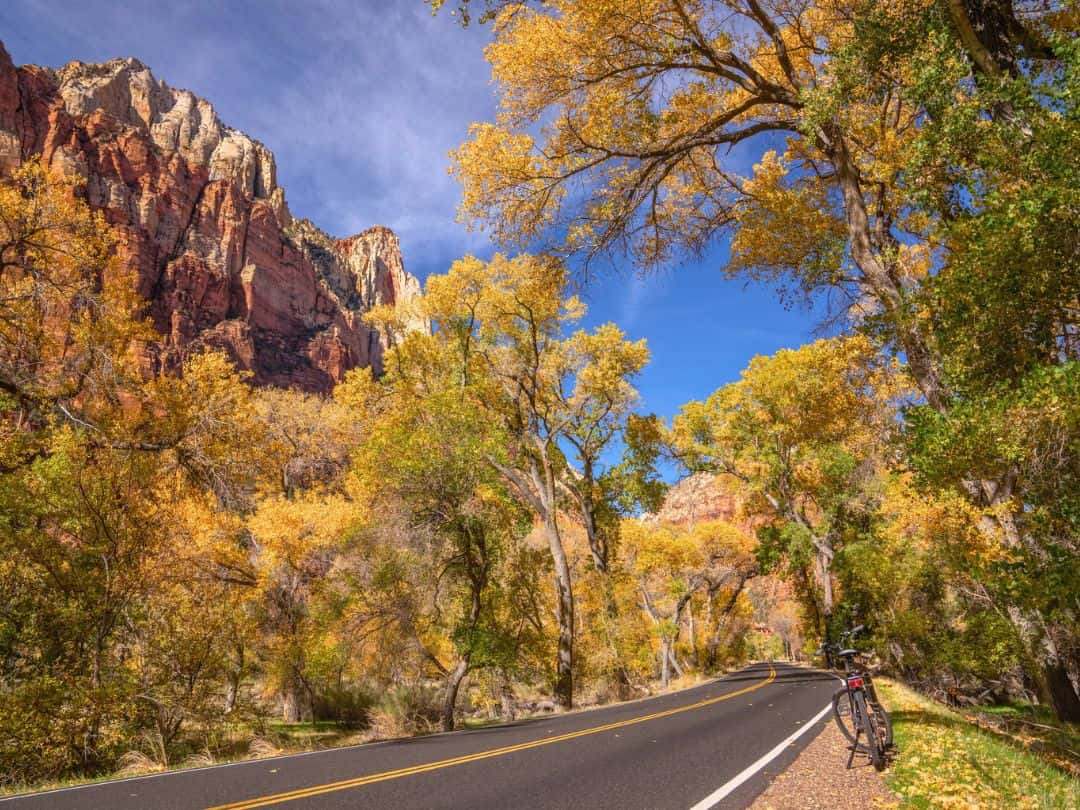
x=869, y=726
x=884, y=723
x=843, y=714
x=879, y=710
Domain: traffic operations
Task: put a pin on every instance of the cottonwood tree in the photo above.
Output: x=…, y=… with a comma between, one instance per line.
x=69, y=315
x=504, y=328
x=1005, y=310
x=673, y=566
x=295, y=545
x=425, y=456
x=629, y=127
x=802, y=430
x=97, y=458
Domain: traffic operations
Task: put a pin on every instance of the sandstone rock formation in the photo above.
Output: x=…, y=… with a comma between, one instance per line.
x=202, y=220
x=700, y=497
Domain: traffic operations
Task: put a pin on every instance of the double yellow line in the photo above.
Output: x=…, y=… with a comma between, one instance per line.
x=360, y=781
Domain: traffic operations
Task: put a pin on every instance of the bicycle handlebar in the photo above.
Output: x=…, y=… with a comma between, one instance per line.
x=835, y=646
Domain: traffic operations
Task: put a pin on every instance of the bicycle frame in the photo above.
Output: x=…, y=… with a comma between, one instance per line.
x=866, y=716
x=866, y=683
x=861, y=677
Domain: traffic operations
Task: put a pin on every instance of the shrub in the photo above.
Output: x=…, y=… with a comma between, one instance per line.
x=407, y=709
x=348, y=706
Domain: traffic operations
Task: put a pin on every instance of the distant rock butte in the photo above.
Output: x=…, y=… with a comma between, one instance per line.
x=199, y=215
x=698, y=498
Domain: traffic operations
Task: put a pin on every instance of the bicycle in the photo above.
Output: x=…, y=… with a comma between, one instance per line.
x=856, y=707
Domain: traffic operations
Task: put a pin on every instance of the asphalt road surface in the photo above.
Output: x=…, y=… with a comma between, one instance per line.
x=716, y=745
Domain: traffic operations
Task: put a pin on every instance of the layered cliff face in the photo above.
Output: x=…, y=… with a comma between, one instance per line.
x=698, y=498
x=201, y=218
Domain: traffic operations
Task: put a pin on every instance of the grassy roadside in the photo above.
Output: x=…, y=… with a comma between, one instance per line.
x=946, y=761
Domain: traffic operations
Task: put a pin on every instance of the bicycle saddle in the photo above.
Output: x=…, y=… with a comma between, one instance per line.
x=847, y=652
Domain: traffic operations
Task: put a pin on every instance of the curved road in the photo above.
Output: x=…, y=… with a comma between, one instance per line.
x=716, y=745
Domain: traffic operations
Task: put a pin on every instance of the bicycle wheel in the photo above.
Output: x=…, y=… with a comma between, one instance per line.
x=882, y=716
x=844, y=714
x=884, y=724
x=868, y=722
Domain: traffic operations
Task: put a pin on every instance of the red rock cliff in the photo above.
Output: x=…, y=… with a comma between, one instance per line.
x=698, y=498
x=202, y=220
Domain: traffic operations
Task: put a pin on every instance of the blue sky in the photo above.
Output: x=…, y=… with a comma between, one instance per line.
x=361, y=101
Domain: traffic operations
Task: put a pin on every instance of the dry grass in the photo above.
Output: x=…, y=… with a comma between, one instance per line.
x=260, y=747
x=386, y=725
x=200, y=759
x=136, y=763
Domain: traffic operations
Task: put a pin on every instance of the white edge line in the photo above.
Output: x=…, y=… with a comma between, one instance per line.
x=728, y=787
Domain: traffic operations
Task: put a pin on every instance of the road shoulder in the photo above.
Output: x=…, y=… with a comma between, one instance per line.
x=818, y=779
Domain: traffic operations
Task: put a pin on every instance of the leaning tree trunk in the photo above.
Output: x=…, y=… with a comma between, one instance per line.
x=564, y=615
x=715, y=624
x=826, y=592
x=536, y=486
x=453, y=682
x=1051, y=674
x=665, y=662
x=1062, y=692
x=675, y=665
x=235, y=679
x=477, y=570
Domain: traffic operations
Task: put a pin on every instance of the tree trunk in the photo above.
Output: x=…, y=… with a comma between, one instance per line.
x=595, y=536
x=1062, y=692
x=506, y=701
x=826, y=584
x=564, y=615
x=675, y=665
x=708, y=662
x=1060, y=688
x=692, y=630
x=879, y=278
x=665, y=662
x=716, y=626
x=295, y=705
x=290, y=706
x=232, y=692
x=236, y=677
x=453, y=683
x=1051, y=674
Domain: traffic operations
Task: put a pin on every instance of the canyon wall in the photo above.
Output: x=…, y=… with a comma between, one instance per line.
x=201, y=219
x=701, y=497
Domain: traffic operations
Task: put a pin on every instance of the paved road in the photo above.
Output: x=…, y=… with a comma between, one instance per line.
x=672, y=751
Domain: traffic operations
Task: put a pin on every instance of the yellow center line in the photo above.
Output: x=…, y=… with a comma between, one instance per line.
x=360, y=781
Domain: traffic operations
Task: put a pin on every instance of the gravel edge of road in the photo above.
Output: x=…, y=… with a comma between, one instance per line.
x=819, y=780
